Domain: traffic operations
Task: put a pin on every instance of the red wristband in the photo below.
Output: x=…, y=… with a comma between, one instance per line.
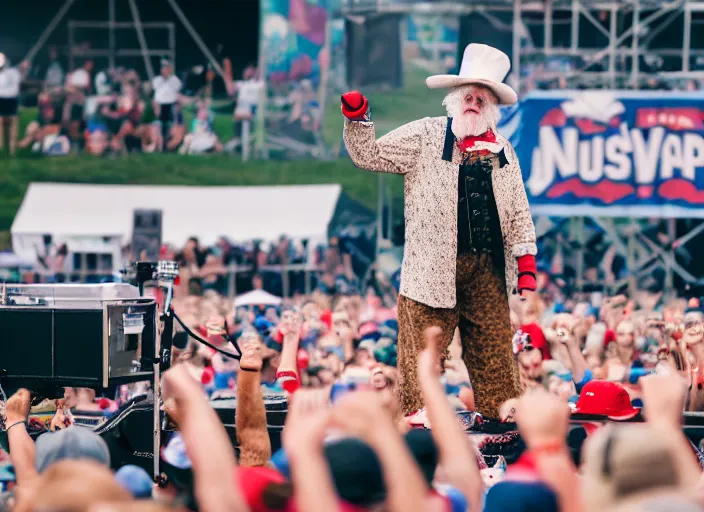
x=527, y=264
x=548, y=448
x=527, y=269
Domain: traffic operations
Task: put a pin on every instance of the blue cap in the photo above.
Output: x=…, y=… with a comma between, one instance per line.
x=520, y=497
x=136, y=480
x=280, y=461
x=262, y=325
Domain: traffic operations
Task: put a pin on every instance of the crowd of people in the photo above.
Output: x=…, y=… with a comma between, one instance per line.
x=284, y=267
x=114, y=111
x=346, y=444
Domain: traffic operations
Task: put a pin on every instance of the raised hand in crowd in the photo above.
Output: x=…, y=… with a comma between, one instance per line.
x=578, y=364
x=663, y=406
x=290, y=328
x=306, y=425
x=361, y=414
x=208, y=446
x=250, y=420
x=22, y=450
x=543, y=423
x=456, y=455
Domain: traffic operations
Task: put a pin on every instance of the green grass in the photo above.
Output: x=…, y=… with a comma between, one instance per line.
x=389, y=110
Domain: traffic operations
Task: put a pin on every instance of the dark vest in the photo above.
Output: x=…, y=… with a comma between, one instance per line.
x=478, y=222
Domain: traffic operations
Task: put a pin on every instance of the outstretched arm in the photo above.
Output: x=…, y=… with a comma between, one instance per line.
x=396, y=152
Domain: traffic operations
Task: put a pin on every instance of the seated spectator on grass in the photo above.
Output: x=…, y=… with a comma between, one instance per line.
x=202, y=138
x=47, y=123
x=77, y=89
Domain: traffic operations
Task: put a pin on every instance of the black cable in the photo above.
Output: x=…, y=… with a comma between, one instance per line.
x=209, y=345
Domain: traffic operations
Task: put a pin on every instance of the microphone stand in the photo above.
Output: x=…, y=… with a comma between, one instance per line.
x=166, y=274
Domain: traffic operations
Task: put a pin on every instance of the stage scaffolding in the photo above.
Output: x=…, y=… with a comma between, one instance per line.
x=630, y=28
x=112, y=25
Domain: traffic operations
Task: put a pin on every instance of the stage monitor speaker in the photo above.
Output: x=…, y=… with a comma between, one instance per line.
x=374, y=53
x=96, y=336
x=146, y=235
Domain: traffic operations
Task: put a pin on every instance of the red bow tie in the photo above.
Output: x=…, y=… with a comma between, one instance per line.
x=467, y=143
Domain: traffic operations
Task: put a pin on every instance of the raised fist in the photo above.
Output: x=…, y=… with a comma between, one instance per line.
x=354, y=105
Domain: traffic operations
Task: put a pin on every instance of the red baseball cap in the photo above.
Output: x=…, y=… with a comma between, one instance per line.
x=537, y=339
x=605, y=398
x=254, y=480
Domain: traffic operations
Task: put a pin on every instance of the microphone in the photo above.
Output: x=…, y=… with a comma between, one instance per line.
x=166, y=275
x=180, y=340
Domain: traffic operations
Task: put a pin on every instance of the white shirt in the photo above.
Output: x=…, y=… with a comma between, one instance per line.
x=166, y=89
x=102, y=84
x=80, y=78
x=248, y=93
x=10, y=80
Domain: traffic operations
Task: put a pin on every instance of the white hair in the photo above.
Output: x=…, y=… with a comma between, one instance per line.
x=464, y=126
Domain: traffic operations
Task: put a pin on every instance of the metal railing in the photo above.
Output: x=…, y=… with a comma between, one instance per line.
x=94, y=275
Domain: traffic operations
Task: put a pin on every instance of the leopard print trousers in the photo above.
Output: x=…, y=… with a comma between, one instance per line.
x=482, y=315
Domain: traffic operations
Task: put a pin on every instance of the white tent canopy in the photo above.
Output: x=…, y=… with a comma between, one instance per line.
x=239, y=213
x=257, y=298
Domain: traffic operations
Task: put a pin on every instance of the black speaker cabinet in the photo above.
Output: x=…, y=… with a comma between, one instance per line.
x=96, y=336
x=374, y=53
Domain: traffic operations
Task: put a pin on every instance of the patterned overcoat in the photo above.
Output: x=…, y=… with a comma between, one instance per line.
x=430, y=187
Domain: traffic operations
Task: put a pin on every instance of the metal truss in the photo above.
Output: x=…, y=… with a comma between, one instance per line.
x=619, y=60
x=644, y=252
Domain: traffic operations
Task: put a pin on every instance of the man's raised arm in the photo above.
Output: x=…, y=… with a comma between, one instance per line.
x=396, y=152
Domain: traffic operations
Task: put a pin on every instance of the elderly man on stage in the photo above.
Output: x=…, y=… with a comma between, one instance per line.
x=470, y=237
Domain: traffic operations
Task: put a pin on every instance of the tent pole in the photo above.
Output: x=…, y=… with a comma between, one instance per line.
x=231, y=279
x=284, y=276
x=111, y=33
x=49, y=30
x=260, y=128
x=389, y=215
x=517, y=37
x=379, y=213
x=142, y=40
x=669, y=282
x=196, y=38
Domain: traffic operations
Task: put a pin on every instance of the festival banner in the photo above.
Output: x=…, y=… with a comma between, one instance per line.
x=296, y=48
x=610, y=153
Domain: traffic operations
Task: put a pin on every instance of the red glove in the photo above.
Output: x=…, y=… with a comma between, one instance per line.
x=354, y=105
x=527, y=269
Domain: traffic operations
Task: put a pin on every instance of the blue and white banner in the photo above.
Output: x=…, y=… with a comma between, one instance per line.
x=610, y=153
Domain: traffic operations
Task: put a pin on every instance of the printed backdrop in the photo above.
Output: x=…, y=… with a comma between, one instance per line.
x=294, y=38
x=611, y=153
x=294, y=34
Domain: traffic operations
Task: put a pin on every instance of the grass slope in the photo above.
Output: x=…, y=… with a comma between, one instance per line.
x=389, y=110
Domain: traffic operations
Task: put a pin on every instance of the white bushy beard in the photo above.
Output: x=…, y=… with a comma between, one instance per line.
x=471, y=125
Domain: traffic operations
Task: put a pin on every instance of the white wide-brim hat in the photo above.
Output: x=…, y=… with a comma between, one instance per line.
x=481, y=65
